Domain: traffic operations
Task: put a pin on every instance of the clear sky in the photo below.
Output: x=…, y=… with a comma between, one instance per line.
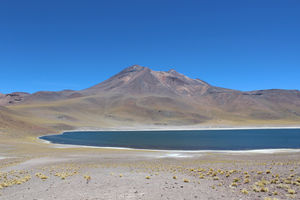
x=71, y=44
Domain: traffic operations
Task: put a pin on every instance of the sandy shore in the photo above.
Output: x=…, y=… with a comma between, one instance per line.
x=178, y=128
x=180, y=153
x=31, y=169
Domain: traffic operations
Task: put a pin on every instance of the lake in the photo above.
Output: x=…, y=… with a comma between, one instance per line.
x=238, y=139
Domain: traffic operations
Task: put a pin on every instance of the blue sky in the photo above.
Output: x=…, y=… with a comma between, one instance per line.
x=60, y=44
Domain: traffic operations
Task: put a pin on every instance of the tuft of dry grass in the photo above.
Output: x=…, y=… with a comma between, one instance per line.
x=41, y=176
x=244, y=191
x=186, y=180
x=291, y=191
x=87, y=178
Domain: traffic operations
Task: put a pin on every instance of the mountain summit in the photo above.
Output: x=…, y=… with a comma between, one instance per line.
x=142, y=80
x=140, y=95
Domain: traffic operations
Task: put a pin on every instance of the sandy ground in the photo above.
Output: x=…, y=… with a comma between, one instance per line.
x=86, y=173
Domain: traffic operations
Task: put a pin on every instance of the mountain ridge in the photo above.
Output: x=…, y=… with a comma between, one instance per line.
x=138, y=79
x=139, y=95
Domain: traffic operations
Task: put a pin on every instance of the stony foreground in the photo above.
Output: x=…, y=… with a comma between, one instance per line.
x=150, y=175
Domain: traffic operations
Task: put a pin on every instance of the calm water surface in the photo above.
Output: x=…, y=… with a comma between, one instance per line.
x=184, y=140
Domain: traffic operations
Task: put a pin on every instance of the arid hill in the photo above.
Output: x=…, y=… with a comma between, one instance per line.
x=139, y=96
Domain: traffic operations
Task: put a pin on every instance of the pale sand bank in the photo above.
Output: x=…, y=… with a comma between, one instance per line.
x=177, y=128
x=177, y=152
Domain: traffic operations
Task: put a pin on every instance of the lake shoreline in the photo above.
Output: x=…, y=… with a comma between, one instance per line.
x=252, y=151
x=179, y=128
x=247, y=151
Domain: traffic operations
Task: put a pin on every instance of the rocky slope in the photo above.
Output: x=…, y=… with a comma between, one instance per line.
x=138, y=95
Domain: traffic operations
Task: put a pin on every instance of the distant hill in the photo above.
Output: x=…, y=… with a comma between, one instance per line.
x=138, y=95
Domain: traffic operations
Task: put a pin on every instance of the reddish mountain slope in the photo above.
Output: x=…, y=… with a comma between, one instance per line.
x=139, y=95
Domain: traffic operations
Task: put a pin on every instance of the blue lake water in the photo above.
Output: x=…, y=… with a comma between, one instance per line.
x=249, y=139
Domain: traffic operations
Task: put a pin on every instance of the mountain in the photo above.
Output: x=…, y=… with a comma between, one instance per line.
x=15, y=97
x=140, y=96
x=139, y=80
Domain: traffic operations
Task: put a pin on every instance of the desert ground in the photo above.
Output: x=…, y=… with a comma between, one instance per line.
x=33, y=169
